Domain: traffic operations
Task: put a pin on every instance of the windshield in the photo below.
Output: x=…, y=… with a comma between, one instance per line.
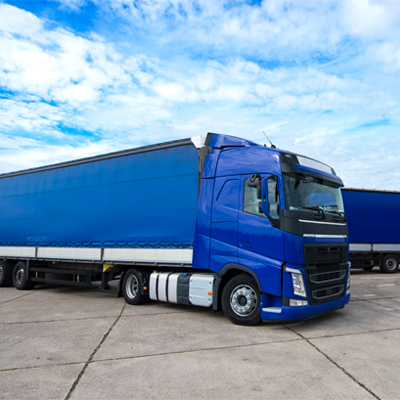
x=308, y=192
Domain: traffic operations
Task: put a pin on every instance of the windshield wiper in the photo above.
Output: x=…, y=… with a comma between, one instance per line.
x=341, y=214
x=319, y=210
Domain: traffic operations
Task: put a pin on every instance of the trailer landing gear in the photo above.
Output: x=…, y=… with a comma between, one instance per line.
x=105, y=276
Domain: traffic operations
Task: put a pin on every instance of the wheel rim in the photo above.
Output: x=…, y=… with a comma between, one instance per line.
x=20, y=276
x=132, y=286
x=1, y=272
x=243, y=300
x=391, y=264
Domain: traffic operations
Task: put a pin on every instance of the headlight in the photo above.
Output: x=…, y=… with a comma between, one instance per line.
x=299, y=288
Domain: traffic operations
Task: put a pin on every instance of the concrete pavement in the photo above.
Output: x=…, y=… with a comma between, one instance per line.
x=84, y=343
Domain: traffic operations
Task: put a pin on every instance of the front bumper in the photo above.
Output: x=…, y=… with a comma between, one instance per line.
x=285, y=313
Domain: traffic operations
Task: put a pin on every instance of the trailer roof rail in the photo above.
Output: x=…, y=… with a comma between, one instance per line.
x=121, y=153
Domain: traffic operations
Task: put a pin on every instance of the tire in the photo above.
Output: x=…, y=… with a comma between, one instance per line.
x=19, y=277
x=241, y=300
x=132, y=288
x=390, y=264
x=6, y=274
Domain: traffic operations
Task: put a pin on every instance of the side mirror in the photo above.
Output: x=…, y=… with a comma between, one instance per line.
x=264, y=197
x=255, y=181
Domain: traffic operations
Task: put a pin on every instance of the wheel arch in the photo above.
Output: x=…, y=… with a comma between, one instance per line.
x=225, y=274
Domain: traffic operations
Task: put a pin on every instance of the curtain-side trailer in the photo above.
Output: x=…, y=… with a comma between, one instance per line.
x=373, y=218
x=214, y=221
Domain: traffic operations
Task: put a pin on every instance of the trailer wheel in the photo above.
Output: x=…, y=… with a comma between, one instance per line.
x=6, y=272
x=20, y=278
x=390, y=264
x=132, y=288
x=241, y=300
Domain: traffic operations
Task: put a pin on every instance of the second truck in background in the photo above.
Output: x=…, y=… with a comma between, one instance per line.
x=373, y=218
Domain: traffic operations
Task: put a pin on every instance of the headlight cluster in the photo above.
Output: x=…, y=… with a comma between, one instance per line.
x=299, y=288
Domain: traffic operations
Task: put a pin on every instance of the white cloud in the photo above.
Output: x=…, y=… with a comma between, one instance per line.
x=31, y=116
x=59, y=67
x=372, y=19
x=308, y=73
x=16, y=21
x=39, y=154
x=275, y=29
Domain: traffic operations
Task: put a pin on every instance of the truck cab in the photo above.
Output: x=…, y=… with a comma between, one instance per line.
x=271, y=224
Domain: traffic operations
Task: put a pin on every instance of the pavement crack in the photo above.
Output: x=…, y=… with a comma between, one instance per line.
x=334, y=363
x=40, y=366
x=349, y=334
x=92, y=355
x=382, y=305
x=15, y=298
x=195, y=350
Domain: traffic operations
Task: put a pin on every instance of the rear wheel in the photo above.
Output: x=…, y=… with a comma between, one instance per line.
x=132, y=288
x=6, y=272
x=390, y=264
x=20, y=277
x=241, y=300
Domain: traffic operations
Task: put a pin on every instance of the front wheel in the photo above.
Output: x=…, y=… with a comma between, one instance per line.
x=20, y=277
x=241, y=300
x=132, y=288
x=390, y=264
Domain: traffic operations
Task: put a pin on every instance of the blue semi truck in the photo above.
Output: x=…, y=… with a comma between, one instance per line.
x=213, y=221
x=373, y=222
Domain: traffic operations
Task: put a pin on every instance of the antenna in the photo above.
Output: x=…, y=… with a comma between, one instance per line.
x=272, y=145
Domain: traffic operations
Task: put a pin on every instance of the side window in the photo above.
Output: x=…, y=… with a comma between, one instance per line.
x=250, y=203
x=273, y=197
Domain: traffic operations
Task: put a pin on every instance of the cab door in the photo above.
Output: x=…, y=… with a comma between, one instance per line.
x=260, y=241
x=224, y=222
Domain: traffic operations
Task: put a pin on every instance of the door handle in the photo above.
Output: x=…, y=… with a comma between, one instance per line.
x=247, y=245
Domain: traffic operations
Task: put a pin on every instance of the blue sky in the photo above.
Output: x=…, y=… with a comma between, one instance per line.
x=321, y=78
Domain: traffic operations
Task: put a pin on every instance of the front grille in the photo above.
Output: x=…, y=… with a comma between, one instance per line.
x=326, y=282
x=324, y=294
x=326, y=277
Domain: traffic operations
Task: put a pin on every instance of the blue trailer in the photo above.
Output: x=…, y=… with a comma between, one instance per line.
x=214, y=221
x=373, y=222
